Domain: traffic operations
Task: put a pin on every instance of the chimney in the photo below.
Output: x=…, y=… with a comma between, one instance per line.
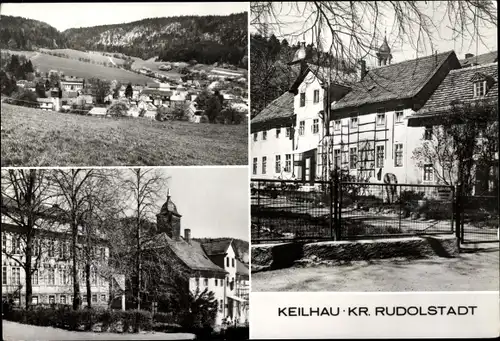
x=187, y=235
x=363, y=71
x=468, y=55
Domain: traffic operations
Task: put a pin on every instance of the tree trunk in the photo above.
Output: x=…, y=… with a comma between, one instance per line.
x=87, y=283
x=76, y=283
x=27, y=270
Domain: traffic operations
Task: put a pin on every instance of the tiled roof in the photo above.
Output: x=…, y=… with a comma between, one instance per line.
x=458, y=86
x=156, y=92
x=394, y=82
x=191, y=254
x=216, y=247
x=279, y=109
x=241, y=268
x=486, y=58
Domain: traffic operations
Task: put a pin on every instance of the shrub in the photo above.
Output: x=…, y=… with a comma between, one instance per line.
x=236, y=333
x=204, y=119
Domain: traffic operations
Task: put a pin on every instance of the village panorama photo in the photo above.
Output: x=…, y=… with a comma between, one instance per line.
x=124, y=84
x=374, y=146
x=125, y=254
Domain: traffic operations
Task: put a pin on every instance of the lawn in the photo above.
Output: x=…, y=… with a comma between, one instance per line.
x=75, y=54
x=13, y=331
x=469, y=271
x=74, y=67
x=36, y=138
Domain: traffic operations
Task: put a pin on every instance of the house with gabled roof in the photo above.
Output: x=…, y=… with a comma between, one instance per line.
x=205, y=264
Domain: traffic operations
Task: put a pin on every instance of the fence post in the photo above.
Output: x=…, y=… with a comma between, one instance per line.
x=457, y=215
x=332, y=210
x=336, y=189
x=258, y=208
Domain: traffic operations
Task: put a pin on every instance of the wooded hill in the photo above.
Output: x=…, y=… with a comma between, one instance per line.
x=206, y=39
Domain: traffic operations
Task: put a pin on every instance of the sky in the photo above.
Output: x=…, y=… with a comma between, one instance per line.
x=213, y=201
x=292, y=22
x=73, y=15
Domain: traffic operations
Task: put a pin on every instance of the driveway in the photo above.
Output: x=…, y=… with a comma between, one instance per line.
x=473, y=270
x=13, y=331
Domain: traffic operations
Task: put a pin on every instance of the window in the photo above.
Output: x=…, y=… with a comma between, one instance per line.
x=288, y=163
x=303, y=99
x=278, y=132
x=380, y=119
x=428, y=173
x=34, y=278
x=4, y=275
x=4, y=242
x=232, y=262
x=354, y=122
x=428, y=133
x=94, y=298
x=36, y=248
x=62, y=249
x=264, y=164
x=227, y=262
x=479, y=88
x=264, y=135
x=254, y=165
x=103, y=298
x=84, y=299
x=302, y=127
x=216, y=282
x=51, y=248
x=380, y=156
x=399, y=117
x=52, y=299
x=16, y=275
x=398, y=155
x=255, y=136
x=315, y=127
x=16, y=245
x=103, y=253
x=51, y=276
x=337, y=125
x=336, y=158
x=353, y=158
x=62, y=299
x=197, y=281
x=221, y=304
x=34, y=300
x=205, y=282
x=288, y=131
x=316, y=96
x=278, y=164
x=93, y=276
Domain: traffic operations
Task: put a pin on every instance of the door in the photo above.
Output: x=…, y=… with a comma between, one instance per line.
x=307, y=170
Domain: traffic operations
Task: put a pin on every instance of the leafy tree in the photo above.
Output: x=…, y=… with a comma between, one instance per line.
x=118, y=109
x=100, y=89
x=7, y=83
x=25, y=98
x=40, y=90
x=129, y=91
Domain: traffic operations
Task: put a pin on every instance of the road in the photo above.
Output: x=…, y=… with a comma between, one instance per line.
x=473, y=271
x=13, y=331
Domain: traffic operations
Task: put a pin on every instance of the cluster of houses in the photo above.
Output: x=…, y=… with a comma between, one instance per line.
x=376, y=118
x=212, y=265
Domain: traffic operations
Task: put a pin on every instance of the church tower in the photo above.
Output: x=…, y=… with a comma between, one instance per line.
x=384, y=55
x=300, y=57
x=169, y=219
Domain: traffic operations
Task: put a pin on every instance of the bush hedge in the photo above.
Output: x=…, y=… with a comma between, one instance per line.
x=84, y=319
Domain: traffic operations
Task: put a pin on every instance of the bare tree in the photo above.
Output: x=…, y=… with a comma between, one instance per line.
x=349, y=29
x=26, y=205
x=145, y=188
x=71, y=185
x=465, y=140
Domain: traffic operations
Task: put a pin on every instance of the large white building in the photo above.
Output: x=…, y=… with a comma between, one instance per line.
x=367, y=132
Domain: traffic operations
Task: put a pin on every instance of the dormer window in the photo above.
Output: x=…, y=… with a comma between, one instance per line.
x=479, y=88
x=481, y=83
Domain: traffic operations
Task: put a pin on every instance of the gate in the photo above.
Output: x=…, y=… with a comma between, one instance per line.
x=477, y=218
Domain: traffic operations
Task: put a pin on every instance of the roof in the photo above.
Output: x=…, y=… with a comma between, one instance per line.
x=277, y=111
x=397, y=81
x=44, y=100
x=325, y=74
x=485, y=58
x=458, y=86
x=169, y=207
x=156, y=92
x=191, y=254
x=97, y=110
x=216, y=247
x=384, y=48
x=241, y=268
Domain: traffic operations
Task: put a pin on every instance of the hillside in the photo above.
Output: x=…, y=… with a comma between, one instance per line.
x=241, y=247
x=206, y=39
x=26, y=34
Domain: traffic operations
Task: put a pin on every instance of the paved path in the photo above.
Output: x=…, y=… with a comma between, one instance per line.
x=476, y=270
x=13, y=331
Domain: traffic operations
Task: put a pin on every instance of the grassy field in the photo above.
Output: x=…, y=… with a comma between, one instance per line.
x=32, y=137
x=75, y=54
x=81, y=69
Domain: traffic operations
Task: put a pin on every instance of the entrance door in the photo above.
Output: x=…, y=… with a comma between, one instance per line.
x=307, y=170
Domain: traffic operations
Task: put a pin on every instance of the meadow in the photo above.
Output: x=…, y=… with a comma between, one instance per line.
x=36, y=138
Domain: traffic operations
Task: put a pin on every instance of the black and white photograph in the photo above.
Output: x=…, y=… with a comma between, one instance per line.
x=124, y=84
x=374, y=146
x=125, y=254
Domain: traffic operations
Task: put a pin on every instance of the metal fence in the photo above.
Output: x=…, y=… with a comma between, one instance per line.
x=479, y=219
x=285, y=210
